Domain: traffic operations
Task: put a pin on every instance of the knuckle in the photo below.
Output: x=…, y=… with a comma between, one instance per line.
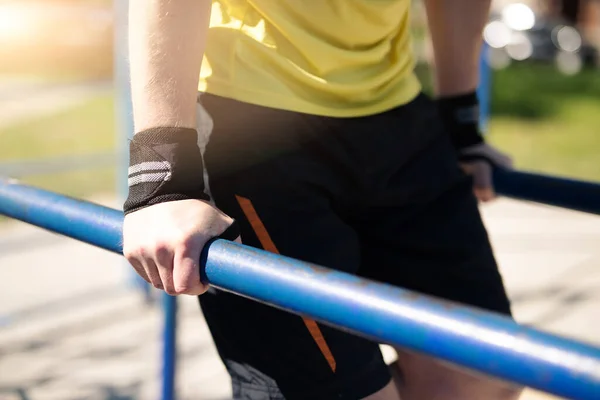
x=162, y=248
x=181, y=290
x=160, y=245
x=137, y=251
x=185, y=245
x=130, y=252
x=133, y=259
x=171, y=291
x=185, y=287
x=182, y=240
x=186, y=279
x=129, y=256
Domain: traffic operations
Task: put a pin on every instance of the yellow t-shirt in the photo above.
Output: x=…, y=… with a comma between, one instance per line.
x=339, y=58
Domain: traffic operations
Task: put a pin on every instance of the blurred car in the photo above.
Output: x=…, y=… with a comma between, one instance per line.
x=517, y=33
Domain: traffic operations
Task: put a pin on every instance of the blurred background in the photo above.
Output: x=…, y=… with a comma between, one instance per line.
x=71, y=325
x=545, y=83
x=57, y=102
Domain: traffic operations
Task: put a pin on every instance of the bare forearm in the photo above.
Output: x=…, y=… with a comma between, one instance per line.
x=456, y=27
x=166, y=46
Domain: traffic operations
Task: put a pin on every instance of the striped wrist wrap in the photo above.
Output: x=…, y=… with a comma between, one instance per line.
x=165, y=165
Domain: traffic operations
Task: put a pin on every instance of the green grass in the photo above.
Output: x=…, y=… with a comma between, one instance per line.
x=85, y=129
x=538, y=92
x=547, y=121
x=78, y=183
x=567, y=144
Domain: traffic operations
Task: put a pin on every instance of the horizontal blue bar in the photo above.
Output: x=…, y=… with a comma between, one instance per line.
x=465, y=336
x=561, y=192
x=77, y=219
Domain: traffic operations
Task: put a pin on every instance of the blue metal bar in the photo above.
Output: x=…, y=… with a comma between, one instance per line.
x=77, y=219
x=169, y=351
x=471, y=338
x=89, y=223
x=561, y=192
x=468, y=337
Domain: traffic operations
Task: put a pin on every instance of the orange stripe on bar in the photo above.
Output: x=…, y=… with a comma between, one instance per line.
x=268, y=245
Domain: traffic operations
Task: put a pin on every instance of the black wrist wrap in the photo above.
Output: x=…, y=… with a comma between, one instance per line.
x=460, y=115
x=165, y=165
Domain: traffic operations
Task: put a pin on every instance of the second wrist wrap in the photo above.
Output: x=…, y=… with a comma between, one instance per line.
x=460, y=115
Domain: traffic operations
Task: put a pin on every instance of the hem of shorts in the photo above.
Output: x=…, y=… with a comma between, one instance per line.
x=371, y=380
x=412, y=88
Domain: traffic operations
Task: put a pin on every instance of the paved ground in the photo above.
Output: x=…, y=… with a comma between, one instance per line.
x=70, y=330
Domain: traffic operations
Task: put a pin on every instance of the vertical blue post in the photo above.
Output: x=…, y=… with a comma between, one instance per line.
x=124, y=118
x=169, y=347
x=124, y=134
x=484, y=89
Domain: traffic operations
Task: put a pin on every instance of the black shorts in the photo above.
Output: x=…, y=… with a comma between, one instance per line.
x=379, y=196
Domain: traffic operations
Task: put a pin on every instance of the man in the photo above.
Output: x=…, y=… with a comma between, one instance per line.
x=321, y=148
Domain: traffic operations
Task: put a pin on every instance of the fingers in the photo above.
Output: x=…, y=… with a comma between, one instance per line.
x=481, y=171
x=163, y=243
x=138, y=267
x=145, y=266
x=163, y=259
x=483, y=186
x=485, y=194
x=186, y=276
x=152, y=272
x=482, y=181
x=186, y=261
x=174, y=272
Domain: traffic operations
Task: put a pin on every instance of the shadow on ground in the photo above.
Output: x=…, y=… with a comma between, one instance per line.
x=566, y=294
